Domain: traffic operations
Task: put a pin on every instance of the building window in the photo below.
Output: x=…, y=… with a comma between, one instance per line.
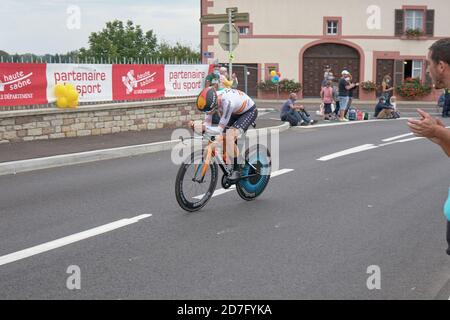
x=414, y=20
x=332, y=27
x=244, y=30
x=413, y=69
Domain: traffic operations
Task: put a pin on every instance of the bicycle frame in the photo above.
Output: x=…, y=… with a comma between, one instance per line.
x=210, y=153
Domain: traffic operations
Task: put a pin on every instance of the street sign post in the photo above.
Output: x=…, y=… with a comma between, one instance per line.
x=224, y=37
x=228, y=31
x=223, y=18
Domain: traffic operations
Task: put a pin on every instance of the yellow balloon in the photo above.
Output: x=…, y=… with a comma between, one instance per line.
x=62, y=102
x=60, y=90
x=73, y=103
x=70, y=86
x=72, y=95
x=273, y=73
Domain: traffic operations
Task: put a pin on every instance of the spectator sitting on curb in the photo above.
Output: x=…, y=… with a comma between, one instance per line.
x=295, y=114
x=383, y=111
x=393, y=103
x=432, y=128
x=306, y=117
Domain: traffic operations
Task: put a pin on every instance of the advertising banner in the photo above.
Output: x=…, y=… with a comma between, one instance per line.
x=34, y=83
x=22, y=84
x=185, y=80
x=138, y=81
x=92, y=81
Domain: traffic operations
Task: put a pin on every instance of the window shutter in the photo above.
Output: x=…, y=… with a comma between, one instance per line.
x=399, y=72
x=430, y=23
x=399, y=22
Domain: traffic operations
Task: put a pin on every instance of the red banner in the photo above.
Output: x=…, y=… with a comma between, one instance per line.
x=22, y=84
x=137, y=81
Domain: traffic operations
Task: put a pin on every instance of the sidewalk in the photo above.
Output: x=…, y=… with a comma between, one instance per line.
x=54, y=147
x=355, y=102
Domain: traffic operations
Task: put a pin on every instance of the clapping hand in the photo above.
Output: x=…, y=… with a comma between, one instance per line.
x=426, y=126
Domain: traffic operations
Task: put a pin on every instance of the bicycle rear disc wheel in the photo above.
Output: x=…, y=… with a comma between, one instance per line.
x=193, y=195
x=258, y=164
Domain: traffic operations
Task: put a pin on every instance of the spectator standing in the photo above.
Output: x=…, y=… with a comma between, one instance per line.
x=387, y=88
x=213, y=78
x=344, y=95
x=224, y=82
x=327, y=99
x=328, y=77
x=350, y=94
x=433, y=128
x=235, y=81
x=446, y=105
x=336, y=98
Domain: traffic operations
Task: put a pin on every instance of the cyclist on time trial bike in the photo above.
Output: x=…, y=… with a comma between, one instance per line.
x=238, y=111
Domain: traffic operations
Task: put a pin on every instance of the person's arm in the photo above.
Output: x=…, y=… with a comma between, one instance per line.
x=442, y=138
x=350, y=86
x=432, y=129
x=292, y=106
x=224, y=119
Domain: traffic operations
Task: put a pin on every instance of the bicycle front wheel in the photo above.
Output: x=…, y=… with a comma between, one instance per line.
x=255, y=173
x=195, y=183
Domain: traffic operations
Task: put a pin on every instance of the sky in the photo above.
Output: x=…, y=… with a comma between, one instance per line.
x=46, y=26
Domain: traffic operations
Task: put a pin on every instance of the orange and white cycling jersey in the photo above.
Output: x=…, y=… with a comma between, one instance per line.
x=231, y=102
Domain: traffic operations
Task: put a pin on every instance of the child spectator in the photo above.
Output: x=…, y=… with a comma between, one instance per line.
x=327, y=98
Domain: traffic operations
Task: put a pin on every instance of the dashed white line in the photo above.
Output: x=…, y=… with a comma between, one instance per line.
x=399, y=141
x=342, y=153
x=397, y=137
x=334, y=124
x=19, y=255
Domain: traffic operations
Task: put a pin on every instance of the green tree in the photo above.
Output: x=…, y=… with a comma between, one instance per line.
x=179, y=52
x=119, y=41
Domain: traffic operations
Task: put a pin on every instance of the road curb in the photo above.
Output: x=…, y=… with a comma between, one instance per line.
x=14, y=167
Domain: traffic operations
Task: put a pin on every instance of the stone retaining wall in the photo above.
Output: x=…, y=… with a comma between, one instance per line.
x=42, y=124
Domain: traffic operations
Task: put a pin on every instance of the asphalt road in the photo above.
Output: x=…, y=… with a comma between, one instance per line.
x=311, y=235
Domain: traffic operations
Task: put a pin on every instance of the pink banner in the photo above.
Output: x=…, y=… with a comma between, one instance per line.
x=22, y=84
x=138, y=81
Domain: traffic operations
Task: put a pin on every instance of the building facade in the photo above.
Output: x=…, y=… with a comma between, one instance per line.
x=370, y=38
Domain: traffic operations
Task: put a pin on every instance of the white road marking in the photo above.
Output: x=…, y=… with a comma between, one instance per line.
x=399, y=141
x=221, y=191
x=397, y=137
x=280, y=172
x=19, y=255
x=361, y=148
x=334, y=124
